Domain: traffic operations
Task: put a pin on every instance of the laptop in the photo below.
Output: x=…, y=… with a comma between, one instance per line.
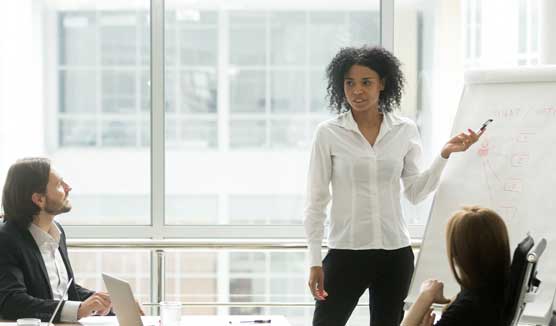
x=123, y=301
x=59, y=303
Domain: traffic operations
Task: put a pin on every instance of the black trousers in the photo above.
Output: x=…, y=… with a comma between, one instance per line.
x=348, y=273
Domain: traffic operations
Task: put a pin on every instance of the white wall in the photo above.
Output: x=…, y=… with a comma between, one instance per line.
x=21, y=84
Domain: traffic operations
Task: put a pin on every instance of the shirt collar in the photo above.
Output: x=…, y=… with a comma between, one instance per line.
x=41, y=237
x=347, y=121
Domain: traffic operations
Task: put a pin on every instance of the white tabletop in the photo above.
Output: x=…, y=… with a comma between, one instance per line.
x=185, y=321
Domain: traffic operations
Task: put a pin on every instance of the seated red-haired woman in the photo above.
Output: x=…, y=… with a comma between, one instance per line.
x=479, y=256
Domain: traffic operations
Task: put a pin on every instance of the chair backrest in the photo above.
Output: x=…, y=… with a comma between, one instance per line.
x=520, y=273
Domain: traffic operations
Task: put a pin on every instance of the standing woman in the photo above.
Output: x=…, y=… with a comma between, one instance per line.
x=363, y=153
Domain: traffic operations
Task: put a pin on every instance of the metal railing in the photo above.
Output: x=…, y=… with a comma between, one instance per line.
x=158, y=250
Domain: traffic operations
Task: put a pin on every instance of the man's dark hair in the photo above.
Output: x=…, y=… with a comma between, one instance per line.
x=25, y=177
x=384, y=63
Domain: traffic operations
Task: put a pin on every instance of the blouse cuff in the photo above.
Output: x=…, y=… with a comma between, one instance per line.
x=315, y=254
x=439, y=163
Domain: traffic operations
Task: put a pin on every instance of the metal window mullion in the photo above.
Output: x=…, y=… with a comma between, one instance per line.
x=387, y=24
x=157, y=118
x=157, y=145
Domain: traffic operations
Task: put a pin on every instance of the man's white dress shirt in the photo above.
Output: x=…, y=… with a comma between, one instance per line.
x=48, y=244
x=365, y=180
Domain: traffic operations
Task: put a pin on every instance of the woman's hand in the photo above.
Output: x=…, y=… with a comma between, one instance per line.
x=428, y=319
x=420, y=313
x=434, y=291
x=316, y=283
x=460, y=143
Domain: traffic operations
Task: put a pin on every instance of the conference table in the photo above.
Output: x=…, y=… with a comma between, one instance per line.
x=185, y=321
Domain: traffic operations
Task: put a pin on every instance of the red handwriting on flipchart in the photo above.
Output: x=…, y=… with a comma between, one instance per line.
x=513, y=185
x=524, y=137
x=507, y=114
x=519, y=159
x=548, y=112
x=483, y=149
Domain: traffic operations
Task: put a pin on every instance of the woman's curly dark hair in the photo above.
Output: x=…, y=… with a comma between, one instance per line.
x=386, y=65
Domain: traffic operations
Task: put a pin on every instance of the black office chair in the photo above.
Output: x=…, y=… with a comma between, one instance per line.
x=523, y=282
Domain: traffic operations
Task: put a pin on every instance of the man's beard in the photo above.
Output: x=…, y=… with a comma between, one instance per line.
x=57, y=208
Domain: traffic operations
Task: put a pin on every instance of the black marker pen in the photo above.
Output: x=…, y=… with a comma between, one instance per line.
x=483, y=127
x=257, y=321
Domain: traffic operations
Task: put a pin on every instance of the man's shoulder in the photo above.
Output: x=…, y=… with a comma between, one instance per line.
x=10, y=236
x=8, y=229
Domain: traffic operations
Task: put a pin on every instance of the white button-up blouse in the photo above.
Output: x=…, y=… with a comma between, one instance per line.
x=365, y=182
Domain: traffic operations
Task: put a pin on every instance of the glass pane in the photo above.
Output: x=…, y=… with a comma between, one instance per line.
x=191, y=209
x=193, y=277
x=171, y=128
x=118, y=91
x=329, y=32
x=289, y=134
x=364, y=28
x=108, y=209
x=144, y=38
x=247, y=101
x=78, y=132
x=118, y=38
x=247, y=133
x=145, y=132
x=198, y=46
x=170, y=39
x=77, y=31
x=245, y=27
x=247, y=262
x=119, y=133
x=265, y=209
x=198, y=93
x=288, y=92
x=132, y=266
x=77, y=91
x=318, y=100
x=170, y=85
x=288, y=38
x=198, y=134
x=144, y=91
